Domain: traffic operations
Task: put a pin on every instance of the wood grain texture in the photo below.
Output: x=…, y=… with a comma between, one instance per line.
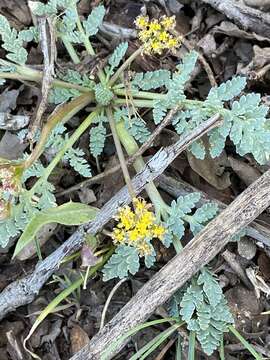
x=247, y=17
x=203, y=248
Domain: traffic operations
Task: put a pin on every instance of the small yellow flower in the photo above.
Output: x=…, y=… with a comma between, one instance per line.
x=163, y=36
x=173, y=43
x=159, y=232
x=137, y=227
x=168, y=22
x=142, y=22
x=154, y=26
x=155, y=35
x=144, y=248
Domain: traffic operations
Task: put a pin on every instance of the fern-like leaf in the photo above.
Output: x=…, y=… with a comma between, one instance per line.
x=204, y=309
x=12, y=42
x=226, y=91
x=124, y=260
x=77, y=161
x=94, y=20
x=117, y=55
x=97, y=139
x=151, y=79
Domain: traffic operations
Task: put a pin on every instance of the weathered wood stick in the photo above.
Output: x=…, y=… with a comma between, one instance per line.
x=249, y=18
x=24, y=290
x=202, y=249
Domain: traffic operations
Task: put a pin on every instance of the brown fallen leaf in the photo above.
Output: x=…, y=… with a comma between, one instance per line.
x=211, y=170
x=78, y=339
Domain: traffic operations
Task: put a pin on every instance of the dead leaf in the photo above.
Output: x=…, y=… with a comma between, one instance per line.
x=230, y=29
x=17, y=11
x=207, y=44
x=8, y=100
x=261, y=56
x=78, y=339
x=11, y=148
x=88, y=257
x=13, y=122
x=264, y=265
x=87, y=196
x=211, y=170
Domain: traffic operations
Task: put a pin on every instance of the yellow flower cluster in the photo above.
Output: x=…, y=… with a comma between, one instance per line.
x=136, y=228
x=155, y=35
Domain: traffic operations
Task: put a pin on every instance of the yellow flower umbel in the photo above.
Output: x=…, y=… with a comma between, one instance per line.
x=156, y=35
x=136, y=228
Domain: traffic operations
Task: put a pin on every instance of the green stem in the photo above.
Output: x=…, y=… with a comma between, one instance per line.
x=120, y=153
x=191, y=345
x=70, y=142
x=150, y=103
x=247, y=345
x=139, y=94
x=24, y=73
x=124, y=66
x=131, y=148
x=70, y=49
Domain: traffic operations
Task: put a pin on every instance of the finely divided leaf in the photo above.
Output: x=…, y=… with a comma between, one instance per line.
x=226, y=91
x=94, y=20
x=117, y=56
x=124, y=260
x=151, y=79
x=97, y=139
x=77, y=161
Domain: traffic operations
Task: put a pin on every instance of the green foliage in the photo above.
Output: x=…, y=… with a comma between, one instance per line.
x=78, y=162
x=226, y=91
x=133, y=123
x=97, y=139
x=116, y=57
x=103, y=95
x=70, y=213
x=137, y=128
x=26, y=208
x=59, y=95
x=203, y=307
x=175, y=87
x=67, y=28
x=12, y=42
x=52, y=6
x=94, y=20
x=124, y=260
x=180, y=213
x=151, y=79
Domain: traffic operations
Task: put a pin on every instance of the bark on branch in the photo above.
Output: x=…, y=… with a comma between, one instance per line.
x=247, y=17
x=203, y=248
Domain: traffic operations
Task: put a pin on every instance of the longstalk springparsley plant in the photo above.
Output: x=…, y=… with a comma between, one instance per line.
x=117, y=108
